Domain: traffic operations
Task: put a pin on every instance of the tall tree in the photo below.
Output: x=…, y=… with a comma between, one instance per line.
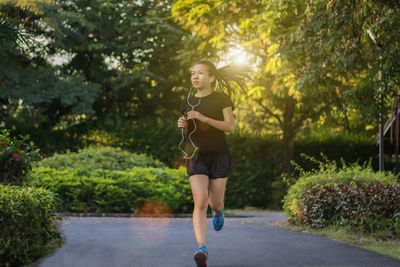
x=262, y=29
x=28, y=84
x=93, y=59
x=311, y=57
x=340, y=54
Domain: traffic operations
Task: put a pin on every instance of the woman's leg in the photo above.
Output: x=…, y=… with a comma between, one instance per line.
x=217, y=193
x=199, y=184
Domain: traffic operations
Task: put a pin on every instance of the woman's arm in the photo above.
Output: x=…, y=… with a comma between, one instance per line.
x=227, y=125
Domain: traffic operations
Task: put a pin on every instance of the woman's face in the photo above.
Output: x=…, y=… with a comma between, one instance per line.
x=200, y=77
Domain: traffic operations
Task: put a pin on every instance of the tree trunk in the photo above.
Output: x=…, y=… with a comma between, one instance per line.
x=288, y=133
x=288, y=150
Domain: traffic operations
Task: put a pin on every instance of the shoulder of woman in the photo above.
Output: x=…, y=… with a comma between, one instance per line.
x=221, y=94
x=225, y=100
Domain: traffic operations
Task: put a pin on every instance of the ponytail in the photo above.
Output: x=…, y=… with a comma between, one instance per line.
x=226, y=76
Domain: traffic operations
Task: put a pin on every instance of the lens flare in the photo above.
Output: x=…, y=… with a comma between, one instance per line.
x=155, y=208
x=155, y=217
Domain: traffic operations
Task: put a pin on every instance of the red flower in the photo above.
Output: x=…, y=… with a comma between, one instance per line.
x=3, y=144
x=15, y=155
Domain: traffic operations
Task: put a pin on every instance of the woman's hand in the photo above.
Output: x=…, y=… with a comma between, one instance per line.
x=196, y=115
x=182, y=123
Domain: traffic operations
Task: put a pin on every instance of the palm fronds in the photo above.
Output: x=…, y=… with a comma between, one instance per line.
x=10, y=33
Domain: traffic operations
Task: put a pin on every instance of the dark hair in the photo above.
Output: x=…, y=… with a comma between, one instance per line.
x=227, y=75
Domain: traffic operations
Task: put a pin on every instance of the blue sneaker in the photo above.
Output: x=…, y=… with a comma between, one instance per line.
x=218, y=222
x=200, y=256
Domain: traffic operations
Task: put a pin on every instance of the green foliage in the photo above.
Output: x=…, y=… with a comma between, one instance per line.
x=257, y=164
x=257, y=180
x=30, y=87
x=106, y=179
x=315, y=61
x=99, y=157
x=117, y=58
x=9, y=33
x=333, y=50
x=27, y=217
x=341, y=145
x=352, y=195
x=310, y=135
x=152, y=136
x=369, y=208
x=97, y=190
x=68, y=94
x=16, y=158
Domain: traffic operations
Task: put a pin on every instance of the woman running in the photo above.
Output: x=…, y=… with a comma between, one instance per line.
x=206, y=116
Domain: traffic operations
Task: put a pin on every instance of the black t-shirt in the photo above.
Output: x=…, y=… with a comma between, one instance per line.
x=206, y=137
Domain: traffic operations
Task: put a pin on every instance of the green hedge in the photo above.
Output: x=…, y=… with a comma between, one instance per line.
x=155, y=136
x=27, y=224
x=352, y=195
x=373, y=208
x=100, y=157
x=257, y=180
x=97, y=190
x=257, y=164
x=339, y=147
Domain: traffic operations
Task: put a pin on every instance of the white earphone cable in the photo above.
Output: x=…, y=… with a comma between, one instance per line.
x=194, y=129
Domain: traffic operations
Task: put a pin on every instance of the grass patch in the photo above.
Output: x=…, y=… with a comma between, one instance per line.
x=374, y=242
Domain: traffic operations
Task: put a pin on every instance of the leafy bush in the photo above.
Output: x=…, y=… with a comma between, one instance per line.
x=154, y=136
x=97, y=190
x=26, y=224
x=257, y=180
x=370, y=208
x=16, y=158
x=352, y=195
x=350, y=148
x=100, y=157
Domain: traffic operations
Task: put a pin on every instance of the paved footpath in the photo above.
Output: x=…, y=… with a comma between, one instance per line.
x=169, y=242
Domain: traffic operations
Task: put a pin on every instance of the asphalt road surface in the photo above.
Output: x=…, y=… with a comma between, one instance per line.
x=244, y=241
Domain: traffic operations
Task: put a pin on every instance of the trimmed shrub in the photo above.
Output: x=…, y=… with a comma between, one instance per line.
x=26, y=224
x=156, y=136
x=100, y=157
x=369, y=208
x=349, y=148
x=97, y=190
x=16, y=158
x=353, y=195
x=257, y=180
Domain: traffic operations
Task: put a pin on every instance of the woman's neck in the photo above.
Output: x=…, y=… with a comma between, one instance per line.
x=203, y=92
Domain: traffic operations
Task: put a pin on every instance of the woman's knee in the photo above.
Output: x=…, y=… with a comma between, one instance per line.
x=201, y=203
x=216, y=203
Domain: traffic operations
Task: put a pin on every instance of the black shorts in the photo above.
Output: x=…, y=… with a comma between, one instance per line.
x=214, y=165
